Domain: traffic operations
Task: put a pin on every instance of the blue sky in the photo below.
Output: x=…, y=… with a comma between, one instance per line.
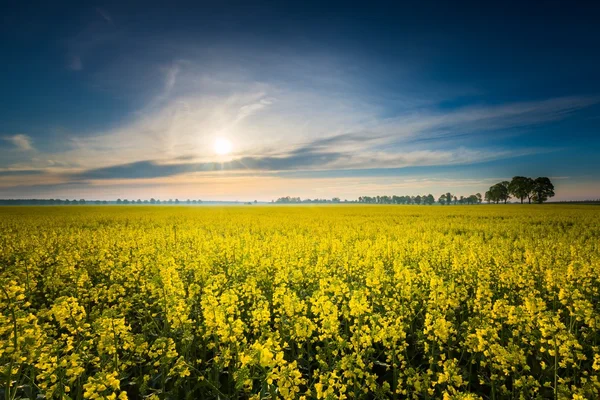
x=110, y=100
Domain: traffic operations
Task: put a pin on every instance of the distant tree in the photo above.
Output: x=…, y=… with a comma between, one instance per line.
x=488, y=196
x=176, y=201
x=417, y=200
x=442, y=200
x=188, y=201
x=139, y=201
x=495, y=193
x=152, y=201
x=449, y=198
x=104, y=202
x=119, y=201
x=288, y=200
x=429, y=199
x=521, y=187
x=499, y=192
x=505, y=191
x=146, y=202
x=478, y=195
x=97, y=202
x=335, y=200
x=543, y=189
x=125, y=201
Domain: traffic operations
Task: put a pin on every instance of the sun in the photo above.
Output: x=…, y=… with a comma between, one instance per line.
x=222, y=146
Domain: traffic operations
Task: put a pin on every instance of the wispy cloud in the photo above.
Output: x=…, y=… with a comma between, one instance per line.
x=299, y=160
x=75, y=63
x=91, y=44
x=279, y=127
x=171, y=77
x=104, y=14
x=20, y=141
x=477, y=119
x=275, y=128
x=263, y=120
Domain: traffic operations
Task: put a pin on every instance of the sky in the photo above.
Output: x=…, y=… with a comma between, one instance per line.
x=228, y=100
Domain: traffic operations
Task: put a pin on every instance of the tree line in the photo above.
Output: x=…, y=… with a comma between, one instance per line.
x=298, y=200
x=538, y=190
x=59, y=202
x=444, y=199
x=157, y=201
x=428, y=199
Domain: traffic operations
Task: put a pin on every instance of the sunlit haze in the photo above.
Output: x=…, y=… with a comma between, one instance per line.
x=223, y=146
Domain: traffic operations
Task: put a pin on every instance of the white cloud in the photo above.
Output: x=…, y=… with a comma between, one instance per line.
x=20, y=141
x=171, y=77
x=269, y=120
x=273, y=119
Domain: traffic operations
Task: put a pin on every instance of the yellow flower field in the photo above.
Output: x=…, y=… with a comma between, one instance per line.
x=326, y=302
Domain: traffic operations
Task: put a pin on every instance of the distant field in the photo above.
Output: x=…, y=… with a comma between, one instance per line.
x=465, y=302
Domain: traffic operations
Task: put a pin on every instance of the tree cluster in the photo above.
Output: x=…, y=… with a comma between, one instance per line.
x=425, y=199
x=298, y=200
x=520, y=187
x=449, y=198
x=59, y=202
x=45, y=202
x=157, y=201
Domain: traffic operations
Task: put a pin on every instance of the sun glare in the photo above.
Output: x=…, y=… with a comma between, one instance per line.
x=222, y=146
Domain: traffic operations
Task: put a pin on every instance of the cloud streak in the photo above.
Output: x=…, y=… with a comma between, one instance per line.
x=20, y=141
x=20, y=172
x=297, y=160
x=154, y=169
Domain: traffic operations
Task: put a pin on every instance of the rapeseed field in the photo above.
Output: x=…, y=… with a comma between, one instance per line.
x=300, y=302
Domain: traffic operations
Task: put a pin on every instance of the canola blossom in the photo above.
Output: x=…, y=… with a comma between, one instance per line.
x=293, y=302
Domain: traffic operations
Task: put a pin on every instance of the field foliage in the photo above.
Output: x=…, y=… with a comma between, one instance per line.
x=491, y=302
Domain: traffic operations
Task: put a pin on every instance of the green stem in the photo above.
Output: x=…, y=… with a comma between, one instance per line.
x=7, y=394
